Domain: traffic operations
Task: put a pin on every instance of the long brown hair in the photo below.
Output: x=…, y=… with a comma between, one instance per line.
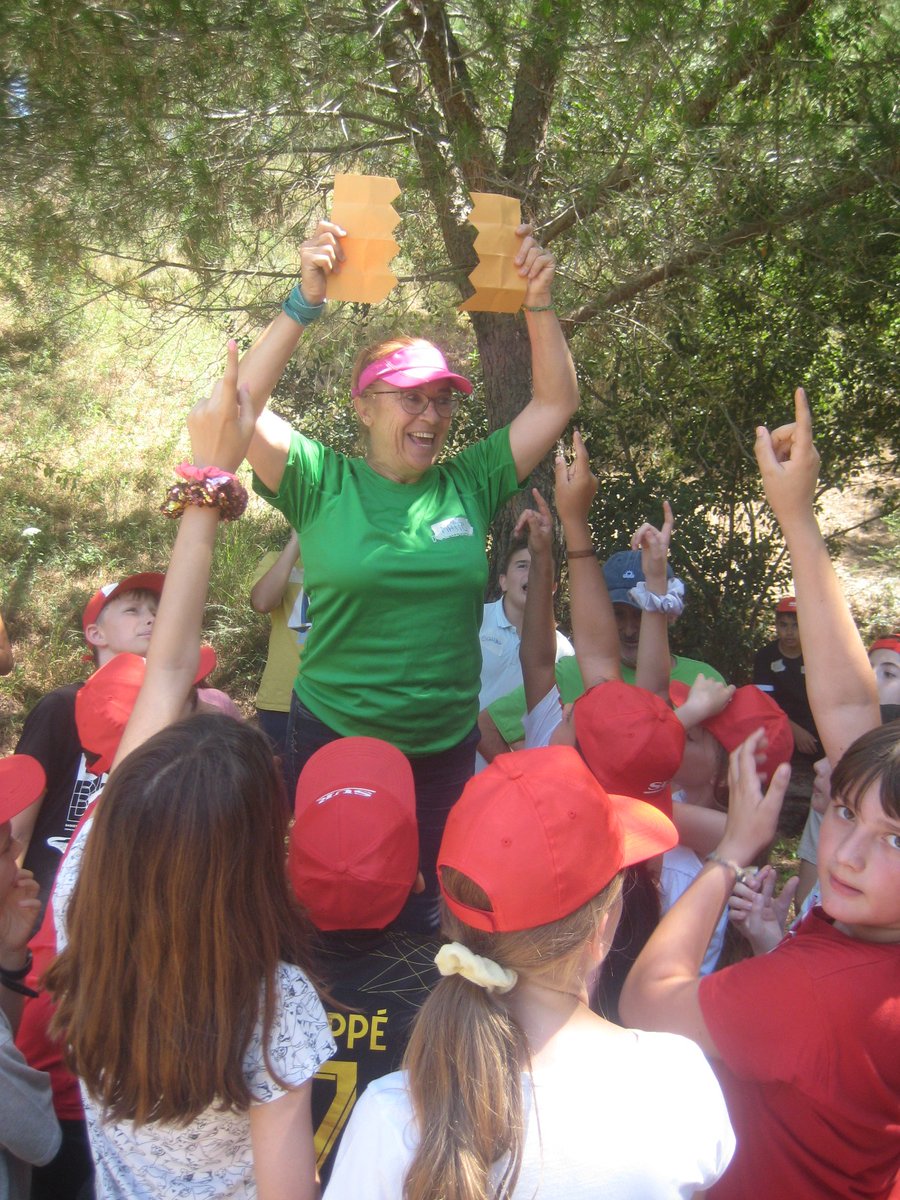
x=466, y=1053
x=176, y=926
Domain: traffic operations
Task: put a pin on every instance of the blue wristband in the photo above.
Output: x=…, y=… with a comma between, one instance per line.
x=299, y=310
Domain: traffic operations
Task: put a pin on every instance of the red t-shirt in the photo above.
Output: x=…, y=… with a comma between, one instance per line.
x=809, y=1045
x=33, y=1038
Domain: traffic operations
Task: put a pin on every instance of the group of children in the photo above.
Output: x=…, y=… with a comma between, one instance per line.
x=177, y=973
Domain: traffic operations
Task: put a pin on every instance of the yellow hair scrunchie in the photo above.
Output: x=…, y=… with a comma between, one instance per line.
x=456, y=959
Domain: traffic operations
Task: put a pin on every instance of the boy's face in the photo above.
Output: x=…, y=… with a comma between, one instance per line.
x=859, y=868
x=787, y=632
x=514, y=580
x=125, y=624
x=886, y=665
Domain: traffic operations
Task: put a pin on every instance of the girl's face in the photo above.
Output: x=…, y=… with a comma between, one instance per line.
x=886, y=665
x=859, y=868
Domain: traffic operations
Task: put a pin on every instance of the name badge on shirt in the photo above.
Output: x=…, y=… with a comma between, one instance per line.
x=453, y=527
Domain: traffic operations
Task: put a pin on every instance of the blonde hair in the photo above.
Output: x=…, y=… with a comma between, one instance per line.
x=466, y=1053
x=375, y=351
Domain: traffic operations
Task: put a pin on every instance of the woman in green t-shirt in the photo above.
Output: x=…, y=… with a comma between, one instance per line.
x=394, y=541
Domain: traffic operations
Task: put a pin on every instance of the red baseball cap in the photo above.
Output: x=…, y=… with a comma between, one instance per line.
x=149, y=581
x=105, y=702
x=540, y=836
x=631, y=740
x=22, y=780
x=353, y=853
x=747, y=710
x=409, y=367
x=890, y=641
x=786, y=604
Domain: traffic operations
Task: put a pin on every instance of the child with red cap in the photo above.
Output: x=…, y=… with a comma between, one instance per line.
x=117, y=619
x=196, y=1068
x=353, y=860
x=500, y=1095
x=805, y=1039
x=29, y=1133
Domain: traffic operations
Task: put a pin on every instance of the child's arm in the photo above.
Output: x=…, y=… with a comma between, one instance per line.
x=840, y=684
x=220, y=429
x=653, y=660
x=284, y=1161
x=593, y=624
x=662, y=988
x=537, y=650
x=268, y=590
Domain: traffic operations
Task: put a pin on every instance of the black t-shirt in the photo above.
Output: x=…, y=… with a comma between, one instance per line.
x=785, y=680
x=383, y=978
x=51, y=736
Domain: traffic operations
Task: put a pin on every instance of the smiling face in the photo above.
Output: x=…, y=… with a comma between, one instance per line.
x=886, y=665
x=514, y=581
x=400, y=446
x=124, y=626
x=859, y=867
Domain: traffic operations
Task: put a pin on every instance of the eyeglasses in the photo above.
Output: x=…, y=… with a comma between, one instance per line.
x=415, y=401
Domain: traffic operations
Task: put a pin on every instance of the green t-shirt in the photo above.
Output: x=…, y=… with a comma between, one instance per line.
x=395, y=575
x=507, y=712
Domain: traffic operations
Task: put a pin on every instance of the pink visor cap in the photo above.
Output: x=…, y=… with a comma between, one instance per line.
x=410, y=367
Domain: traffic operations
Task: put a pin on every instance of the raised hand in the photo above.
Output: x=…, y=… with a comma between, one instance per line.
x=576, y=485
x=319, y=256
x=537, y=265
x=653, y=544
x=222, y=425
x=789, y=463
x=537, y=523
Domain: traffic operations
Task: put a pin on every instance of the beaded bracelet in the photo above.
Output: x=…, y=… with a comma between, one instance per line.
x=298, y=308
x=206, y=487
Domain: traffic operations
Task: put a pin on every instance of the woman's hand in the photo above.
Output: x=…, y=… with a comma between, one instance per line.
x=537, y=265
x=576, y=484
x=789, y=463
x=222, y=425
x=319, y=256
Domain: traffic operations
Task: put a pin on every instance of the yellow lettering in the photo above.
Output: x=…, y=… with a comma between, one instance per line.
x=379, y=1021
x=358, y=1027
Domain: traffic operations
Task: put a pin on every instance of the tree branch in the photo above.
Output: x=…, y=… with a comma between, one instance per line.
x=540, y=63
x=429, y=24
x=679, y=264
x=718, y=86
x=722, y=82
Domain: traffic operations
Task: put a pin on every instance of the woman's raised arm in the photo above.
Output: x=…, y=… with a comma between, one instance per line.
x=554, y=399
